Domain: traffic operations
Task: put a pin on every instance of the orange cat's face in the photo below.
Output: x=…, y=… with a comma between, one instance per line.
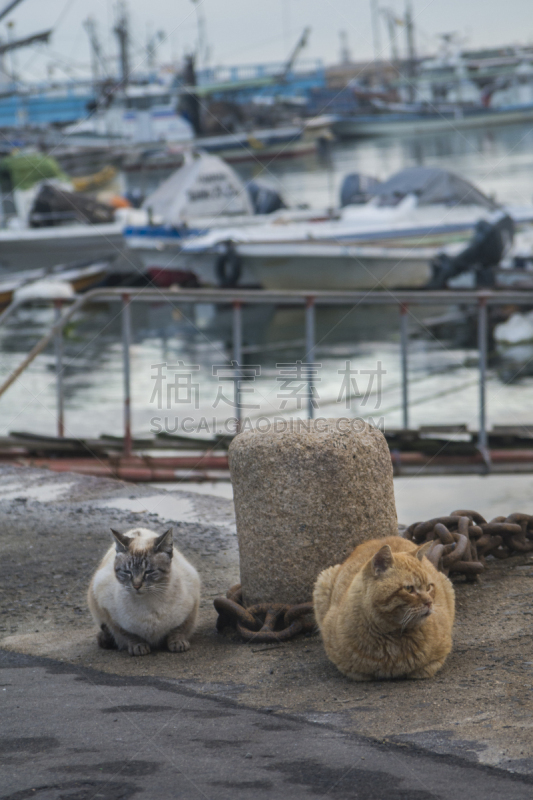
x=399, y=588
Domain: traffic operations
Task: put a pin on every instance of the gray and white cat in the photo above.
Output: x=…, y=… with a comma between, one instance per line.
x=144, y=594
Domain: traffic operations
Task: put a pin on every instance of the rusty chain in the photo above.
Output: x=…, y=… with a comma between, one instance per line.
x=464, y=539
x=263, y=622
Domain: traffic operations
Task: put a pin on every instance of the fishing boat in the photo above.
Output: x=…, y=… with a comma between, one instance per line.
x=44, y=223
x=135, y=114
x=388, y=242
x=152, y=145
x=409, y=120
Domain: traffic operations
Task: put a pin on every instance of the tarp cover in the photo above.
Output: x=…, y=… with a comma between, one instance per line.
x=27, y=169
x=53, y=206
x=432, y=186
x=204, y=187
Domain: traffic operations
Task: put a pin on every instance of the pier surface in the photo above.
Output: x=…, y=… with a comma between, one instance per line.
x=54, y=529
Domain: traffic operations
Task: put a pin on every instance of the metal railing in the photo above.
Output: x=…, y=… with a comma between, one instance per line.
x=480, y=300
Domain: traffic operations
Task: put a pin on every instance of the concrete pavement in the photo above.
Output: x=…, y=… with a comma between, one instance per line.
x=477, y=713
x=71, y=733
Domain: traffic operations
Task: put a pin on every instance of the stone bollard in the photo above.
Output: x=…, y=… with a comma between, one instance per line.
x=304, y=498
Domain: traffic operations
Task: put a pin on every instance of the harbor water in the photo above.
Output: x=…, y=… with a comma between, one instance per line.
x=181, y=354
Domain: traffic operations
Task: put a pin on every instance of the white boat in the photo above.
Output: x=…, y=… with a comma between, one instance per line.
x=204, y=194
x=136, y=114
x=388, y=242
x=32, y=240
x=30, y=248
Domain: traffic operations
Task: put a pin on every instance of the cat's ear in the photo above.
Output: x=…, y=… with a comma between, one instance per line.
x=424, y=549
x=382, y=560
x=121, y=541
x=163, y=543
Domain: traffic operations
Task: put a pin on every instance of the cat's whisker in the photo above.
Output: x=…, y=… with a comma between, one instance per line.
x=407, y=618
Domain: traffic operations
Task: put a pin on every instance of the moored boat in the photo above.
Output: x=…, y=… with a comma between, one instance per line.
x=388, y=242
x=79, y=277
x=429, y=120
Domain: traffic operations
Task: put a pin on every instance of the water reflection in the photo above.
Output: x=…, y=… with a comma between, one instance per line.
x=498, y=159
x=442, y=373
x=442, y=357
x=515, y=363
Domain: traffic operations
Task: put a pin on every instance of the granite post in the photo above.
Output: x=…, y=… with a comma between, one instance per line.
x=306, y=493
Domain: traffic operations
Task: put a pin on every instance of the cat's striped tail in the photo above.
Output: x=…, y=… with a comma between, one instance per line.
x=322, y=592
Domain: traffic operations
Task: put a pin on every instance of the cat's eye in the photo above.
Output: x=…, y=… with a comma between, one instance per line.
x=430, y=587
x=409, y=589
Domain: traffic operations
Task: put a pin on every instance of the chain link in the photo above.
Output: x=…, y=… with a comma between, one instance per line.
x=464, y=539
x=263, y=622
x=462, y=542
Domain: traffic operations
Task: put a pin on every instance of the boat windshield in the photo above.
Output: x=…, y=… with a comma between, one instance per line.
x=143, y=102
x=431, y=186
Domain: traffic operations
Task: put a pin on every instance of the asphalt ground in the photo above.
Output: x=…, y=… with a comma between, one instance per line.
x=71, y=733
x=473, y=721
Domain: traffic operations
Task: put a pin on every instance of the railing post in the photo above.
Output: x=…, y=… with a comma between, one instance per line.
x=58, y=344
x=126, y=345
x=310, y=351
x=482, y=335
x=404, y=341
x=237, y=356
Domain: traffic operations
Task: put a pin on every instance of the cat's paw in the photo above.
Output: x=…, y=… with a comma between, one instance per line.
x=139, y=649
x=178, y=645
x=426, y=672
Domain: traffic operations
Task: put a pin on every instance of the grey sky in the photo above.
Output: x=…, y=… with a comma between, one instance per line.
x=251, y=31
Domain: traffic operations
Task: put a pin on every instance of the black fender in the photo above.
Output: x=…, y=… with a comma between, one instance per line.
x=228, y=267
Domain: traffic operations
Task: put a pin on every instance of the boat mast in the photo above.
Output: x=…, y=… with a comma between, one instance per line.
x=152, y=42
x=15, y=44
x=121, y=31
x=3, y=13
x=392, y=22
x=374, y=11
x=345, y=55
x=202, y=49
x=97, y=57
x=8, y=8
x=411, y=50
x=291, y=61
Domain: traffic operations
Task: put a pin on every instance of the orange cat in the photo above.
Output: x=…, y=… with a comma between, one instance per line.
x=386, y=612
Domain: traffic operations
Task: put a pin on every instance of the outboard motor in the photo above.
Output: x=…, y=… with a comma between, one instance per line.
x=483, y=254
x=357, y=189
x=264, y=199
